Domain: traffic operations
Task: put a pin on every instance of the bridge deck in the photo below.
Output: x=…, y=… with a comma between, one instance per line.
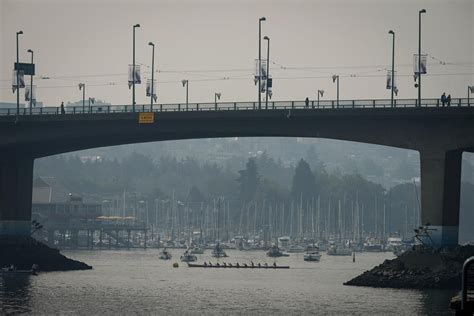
x=240, y=106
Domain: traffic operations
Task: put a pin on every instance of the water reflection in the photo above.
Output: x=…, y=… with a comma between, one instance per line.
x=436, y=302
x=14, y=294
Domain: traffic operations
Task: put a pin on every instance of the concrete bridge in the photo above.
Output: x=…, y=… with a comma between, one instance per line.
x=440, y=134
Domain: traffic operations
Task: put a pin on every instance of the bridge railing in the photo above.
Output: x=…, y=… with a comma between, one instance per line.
x=240, y=106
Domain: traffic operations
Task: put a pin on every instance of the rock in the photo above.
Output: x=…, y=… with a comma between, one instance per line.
x=420, y=268
x=23, y=252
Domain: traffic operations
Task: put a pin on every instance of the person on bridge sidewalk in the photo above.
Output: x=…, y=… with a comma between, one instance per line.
x=306, y=102
x=448, y=100
x=443, y=99
x=62, y=108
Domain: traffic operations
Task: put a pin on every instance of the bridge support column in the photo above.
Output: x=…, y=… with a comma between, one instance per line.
x=440, y=195
x=16, y=190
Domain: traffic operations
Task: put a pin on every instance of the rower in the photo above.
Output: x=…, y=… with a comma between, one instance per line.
x=274, y=264
x=253, y=265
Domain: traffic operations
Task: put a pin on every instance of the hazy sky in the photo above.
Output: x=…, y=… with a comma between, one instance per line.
x=206, y=41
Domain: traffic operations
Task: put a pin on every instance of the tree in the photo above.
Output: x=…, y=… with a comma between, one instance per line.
x=248, y=181
x=304, y=184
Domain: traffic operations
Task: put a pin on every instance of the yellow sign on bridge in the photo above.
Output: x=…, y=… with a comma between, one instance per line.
x=146, y=118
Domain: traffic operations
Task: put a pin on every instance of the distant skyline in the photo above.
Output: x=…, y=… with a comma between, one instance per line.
x=207, y=41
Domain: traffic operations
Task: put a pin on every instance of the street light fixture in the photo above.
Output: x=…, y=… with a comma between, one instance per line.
x=392, y=79
x=133, y=68
x=334, y=79
x=217, y=96
x=31, y=82
x=18, y=75
x=419, y=55
x=185, y=82
x=82, y=86
x=268, y=71
x=152, y=74
x=260, y=59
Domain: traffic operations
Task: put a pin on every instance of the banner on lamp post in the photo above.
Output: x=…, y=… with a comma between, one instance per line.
x=134, y=75
x=422, y=64
x=30, y=95
x=148, y=89
x=21, y=79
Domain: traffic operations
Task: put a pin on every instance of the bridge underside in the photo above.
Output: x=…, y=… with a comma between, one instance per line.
x=439, y=138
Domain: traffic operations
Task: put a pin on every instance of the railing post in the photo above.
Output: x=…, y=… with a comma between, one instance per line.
x=292, y=104
x=459, y=102
x=161, y=107
x=253, y=103
x=197, y=106
x=41, y=110
x=126, y=108
x=235, y=106
x=373, y=102
x=215, y=106
x=312, y=104
x=179, y=107
x=332, y=104
x=353, y=104
x=437, y=102
x=73, y=110
x=273, y=104
x=395, y=103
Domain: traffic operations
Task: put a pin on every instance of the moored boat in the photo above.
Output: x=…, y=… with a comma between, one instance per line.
x=373, y=245
x=338, y=250
x=218, y=252
x=274, y=251
x=296, y=249
x=165, y=255
x=12, y=271
x=188, y=257
x=312, y=253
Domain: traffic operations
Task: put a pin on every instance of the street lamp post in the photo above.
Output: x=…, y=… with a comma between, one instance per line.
x=18, y=75
x=91, y=100
x=217, y=96
x=320, y=92
x=335, y=78
x=133, y=68
x=82, y=86
x=31, y=82
x=152, y=73
x=268, y=71
x=185, y=82
x=260, y=60
x=470, y=89
x=392, y=80
x=419, y=55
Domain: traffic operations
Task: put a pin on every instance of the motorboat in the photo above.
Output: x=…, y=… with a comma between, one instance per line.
x=312, y=253
x=296, y=249
x=373, y=245
x=165, y=255
x=218, y=252
x=393, y=243
x=335, y=249
x=274, y=251
x=188, y=257
x=197, y=250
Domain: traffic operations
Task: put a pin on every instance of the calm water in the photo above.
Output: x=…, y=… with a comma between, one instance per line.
x=137, y=282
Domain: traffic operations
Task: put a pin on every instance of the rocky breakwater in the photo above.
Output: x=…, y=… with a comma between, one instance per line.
x=23, y=252
x=419, y=268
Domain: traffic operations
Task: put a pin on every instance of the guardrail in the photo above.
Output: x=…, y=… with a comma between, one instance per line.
x=238, y=106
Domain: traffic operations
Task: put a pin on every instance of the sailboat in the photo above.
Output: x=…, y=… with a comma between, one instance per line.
x=188, y=256
x=218, y=252
x=312, y=253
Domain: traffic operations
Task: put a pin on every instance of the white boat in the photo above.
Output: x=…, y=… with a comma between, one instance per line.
x=338, y=250
x=393, y=242
x=373, y=245
x=165, y=255
x=283, y=242
x=274, y=251
x=296, y=249
x=312, y=253
x=197, y=250
x=188, y=257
